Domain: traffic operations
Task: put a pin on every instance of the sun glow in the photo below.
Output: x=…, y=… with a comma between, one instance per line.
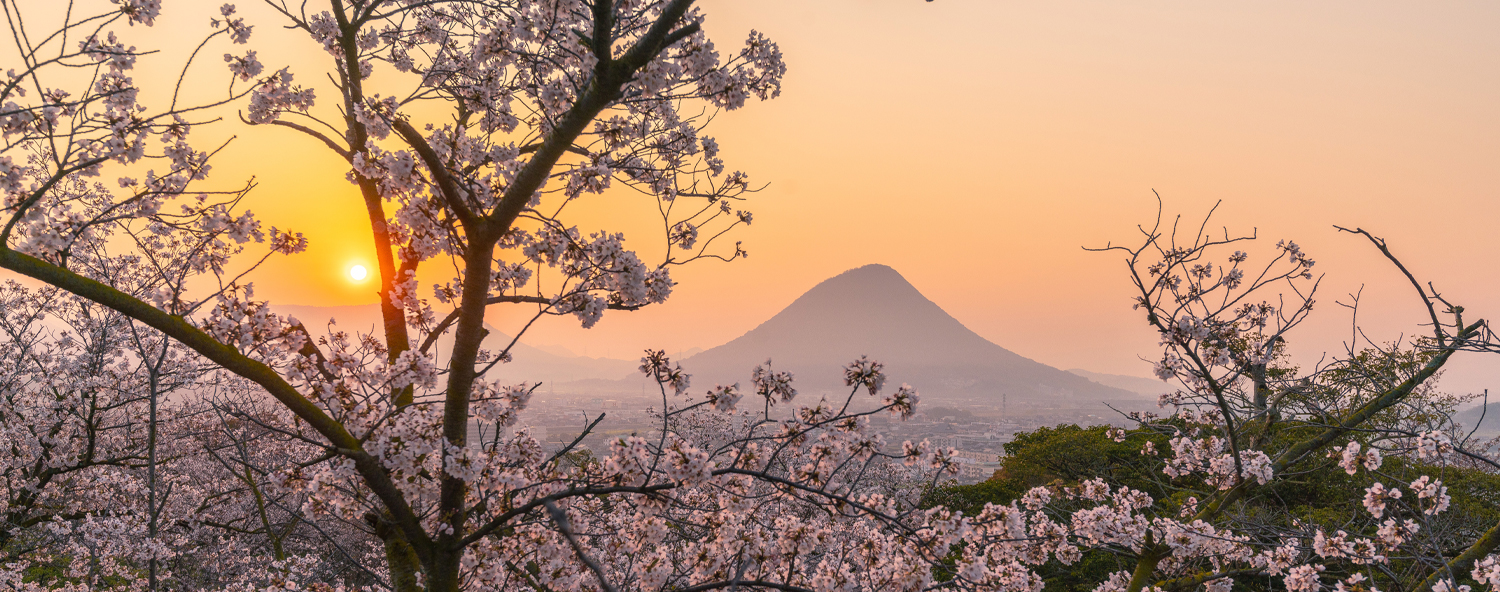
x=358, y=273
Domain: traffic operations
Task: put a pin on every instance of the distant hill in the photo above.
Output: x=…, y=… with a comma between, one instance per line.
x=1487, y=417
x=529, y=364
x=1150, y=387
x=873, y=310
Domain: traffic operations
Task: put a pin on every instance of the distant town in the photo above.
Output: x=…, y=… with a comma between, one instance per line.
x=975, y=427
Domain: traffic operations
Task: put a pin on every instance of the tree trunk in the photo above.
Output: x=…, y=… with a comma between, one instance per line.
x=1145, y=567
x=400, y=558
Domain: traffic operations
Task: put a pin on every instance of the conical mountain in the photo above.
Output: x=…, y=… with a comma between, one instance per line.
x=874, y=311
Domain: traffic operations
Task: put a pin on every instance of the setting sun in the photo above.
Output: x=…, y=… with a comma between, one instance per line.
x=358, y=273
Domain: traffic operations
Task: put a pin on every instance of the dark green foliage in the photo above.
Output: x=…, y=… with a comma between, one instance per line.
x=1066, y=454
x=1315, y=492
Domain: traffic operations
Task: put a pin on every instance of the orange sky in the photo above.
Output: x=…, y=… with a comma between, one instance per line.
x=976, y=145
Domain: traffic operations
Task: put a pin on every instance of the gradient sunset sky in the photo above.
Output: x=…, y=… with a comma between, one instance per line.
x=976, y=146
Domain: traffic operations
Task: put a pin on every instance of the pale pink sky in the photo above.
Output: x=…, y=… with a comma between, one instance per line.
x=975, y=146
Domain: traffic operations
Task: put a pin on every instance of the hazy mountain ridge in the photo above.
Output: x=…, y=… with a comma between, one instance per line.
x=1486, y=417
x=874, y=311
x=528, y=364
x=1149, y=387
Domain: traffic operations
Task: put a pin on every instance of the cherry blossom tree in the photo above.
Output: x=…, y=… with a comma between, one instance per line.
x=1249, y=422
x=117, y=468
x=90, y=489
x=69, y=409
